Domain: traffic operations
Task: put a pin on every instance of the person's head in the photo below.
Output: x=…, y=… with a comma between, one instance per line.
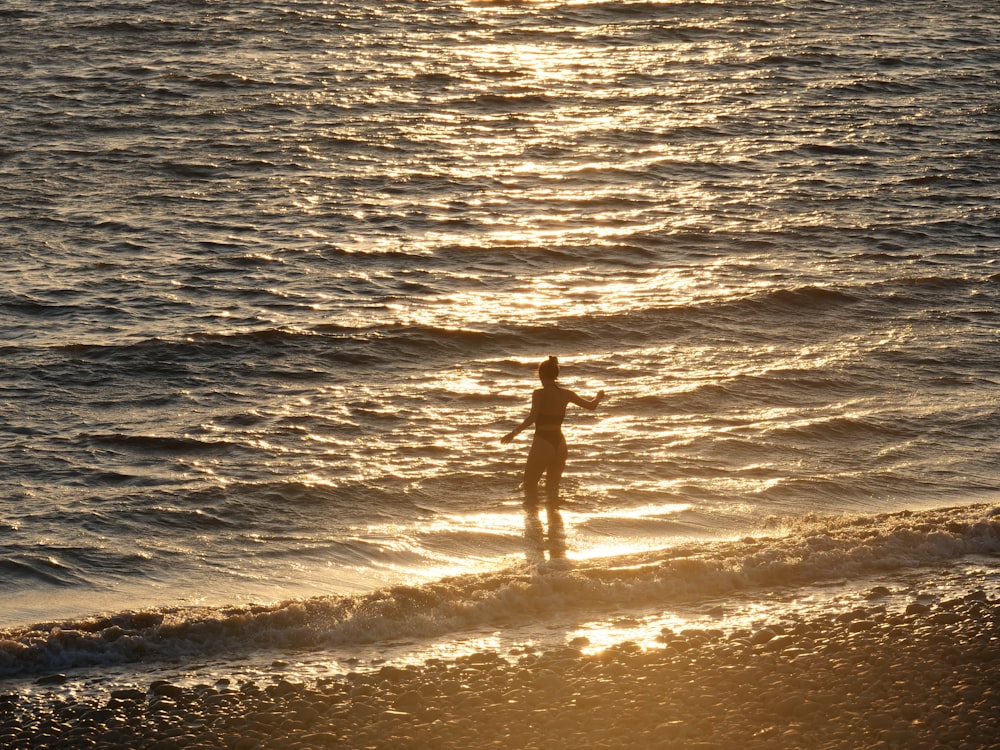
x=549, y=369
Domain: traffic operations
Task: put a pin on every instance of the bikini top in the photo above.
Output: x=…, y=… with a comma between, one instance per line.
x=549, y=421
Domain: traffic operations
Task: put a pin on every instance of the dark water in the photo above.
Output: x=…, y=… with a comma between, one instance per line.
x=276, y=277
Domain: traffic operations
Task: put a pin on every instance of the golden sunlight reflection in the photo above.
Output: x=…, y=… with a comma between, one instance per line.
x=578, y=292
x=476, y=523
x=507, y=525
x=594, y=637
x=508, y=520
x=656, y=630
x=652, y=510
x=720, y=618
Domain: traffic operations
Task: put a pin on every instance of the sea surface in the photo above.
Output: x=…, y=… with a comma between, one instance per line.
x=275, y=278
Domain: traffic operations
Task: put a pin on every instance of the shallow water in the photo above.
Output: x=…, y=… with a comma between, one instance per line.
x=278, y=276
x=805, y=569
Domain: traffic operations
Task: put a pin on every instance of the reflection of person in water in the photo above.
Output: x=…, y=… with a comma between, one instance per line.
x=548, y=449
x=534, y=535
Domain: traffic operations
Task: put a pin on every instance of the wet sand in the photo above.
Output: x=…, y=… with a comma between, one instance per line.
x=928, y=677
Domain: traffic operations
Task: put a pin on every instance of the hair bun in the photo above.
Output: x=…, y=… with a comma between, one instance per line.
x=549, y=368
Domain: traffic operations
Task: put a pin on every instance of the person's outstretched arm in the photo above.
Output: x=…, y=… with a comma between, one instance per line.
x=528, y=421
x=591, y=404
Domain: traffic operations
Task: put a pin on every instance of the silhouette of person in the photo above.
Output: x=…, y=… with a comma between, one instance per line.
x=548, y=448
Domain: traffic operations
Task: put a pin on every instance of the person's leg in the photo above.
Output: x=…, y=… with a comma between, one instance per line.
x=553, y=476
x=541, y=454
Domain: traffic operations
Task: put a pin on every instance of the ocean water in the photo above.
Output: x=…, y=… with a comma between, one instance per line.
x=276, y=277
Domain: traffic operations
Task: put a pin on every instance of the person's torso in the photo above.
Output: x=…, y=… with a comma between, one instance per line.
x=551, y=408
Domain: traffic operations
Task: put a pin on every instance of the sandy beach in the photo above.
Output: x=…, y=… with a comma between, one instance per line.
x=925, y=677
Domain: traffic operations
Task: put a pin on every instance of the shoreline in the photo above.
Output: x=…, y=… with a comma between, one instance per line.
x=865, y=677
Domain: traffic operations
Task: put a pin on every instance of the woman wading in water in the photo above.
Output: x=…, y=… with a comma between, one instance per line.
x=548, y=449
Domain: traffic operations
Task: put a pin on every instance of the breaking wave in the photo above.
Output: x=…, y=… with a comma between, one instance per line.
x=807, y=552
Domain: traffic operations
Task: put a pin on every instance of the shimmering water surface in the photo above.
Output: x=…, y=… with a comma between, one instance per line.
x=276, y=277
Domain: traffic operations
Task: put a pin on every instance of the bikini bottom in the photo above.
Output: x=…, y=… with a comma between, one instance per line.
x=552, y=437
